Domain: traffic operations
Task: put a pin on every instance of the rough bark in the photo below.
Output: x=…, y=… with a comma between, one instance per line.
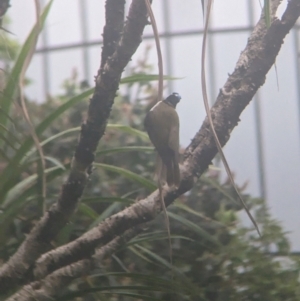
x=114, y=22
x=255, y=61
x=4, y=6
x=250, y=72
x=53, y=284
x=18, y=269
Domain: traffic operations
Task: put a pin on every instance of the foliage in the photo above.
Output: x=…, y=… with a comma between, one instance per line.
x=214, y=256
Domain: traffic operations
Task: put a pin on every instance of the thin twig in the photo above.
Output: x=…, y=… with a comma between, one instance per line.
x=160, y=97
x=206, y=104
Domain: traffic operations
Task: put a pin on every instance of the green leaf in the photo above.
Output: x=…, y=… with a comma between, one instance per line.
x=106, y=213
x=147, y=278
x=9, y=213
x=267, y=12
x=4, y=156
x=12, y=208
x=55, y=162
x=199, y=214
x=7, y=141
x=13, y=168
x=139, y=254
x=10, y=134
x=219, y=187
x=180, y=285
x=107, y=200
x=195, y=228
x=13, y=80
x=129, y=130
x=134, y=296
x=155, y=236
x=59, y=111
x=143, y=77
x=123, y=149
x=87, y=211
x=160, y=260
x=156, y=257
x=111, y=290
x=22, y=186
x=128, y=174
x=100, y=152
x=43, y=143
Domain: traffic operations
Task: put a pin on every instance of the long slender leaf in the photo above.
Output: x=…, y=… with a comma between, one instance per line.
x=148, y=278
x=129, y=130
x=120, y=127
x=203, y=217
x=219, y=187
x=48, y=140
x=12, y=84
x=106, y=213
x=10, y=134
x=123, y=149
x=4, y=156
x=128, y=174
x=160, y=260
x=12, y=208
x=178, y=285
x=55, y=162
x=267, y=12
x=139, y=254
x=134, y=296
x=5, y=139
x=24, y=151
x=87, y=211
x=14, y=167
x=9, y=213
x=112, y=290
x=18, y=189
x=143, y=77
x=155, y=237
x=107, y=200
x=195, y=228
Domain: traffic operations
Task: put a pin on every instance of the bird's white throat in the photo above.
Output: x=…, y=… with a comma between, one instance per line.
x=155, y=106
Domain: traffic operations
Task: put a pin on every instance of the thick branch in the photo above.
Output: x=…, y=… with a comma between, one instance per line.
x=114, y=20
x=55, y=283
x=251, y=69
x=4, y=6
x=107, y=83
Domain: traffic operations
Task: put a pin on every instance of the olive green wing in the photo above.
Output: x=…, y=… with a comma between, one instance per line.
x=173, y=144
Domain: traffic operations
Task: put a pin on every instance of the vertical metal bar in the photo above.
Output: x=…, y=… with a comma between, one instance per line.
x=45, y=59
x=84, y=38
x=260, y=147
x=168, y=54
x=297, y=58
x=258, y=125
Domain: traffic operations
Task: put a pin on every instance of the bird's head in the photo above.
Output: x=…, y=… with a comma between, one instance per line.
x=173, y=99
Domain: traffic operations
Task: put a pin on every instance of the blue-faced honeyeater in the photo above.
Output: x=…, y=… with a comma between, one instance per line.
x=162, y=125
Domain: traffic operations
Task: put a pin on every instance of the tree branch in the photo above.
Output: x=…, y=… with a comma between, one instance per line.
x=250, y=72
x=55, y=283
x=17, y=269
x=114, y=21
x=4, y=6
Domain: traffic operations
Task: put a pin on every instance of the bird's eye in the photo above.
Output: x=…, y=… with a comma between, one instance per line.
x=177, y=95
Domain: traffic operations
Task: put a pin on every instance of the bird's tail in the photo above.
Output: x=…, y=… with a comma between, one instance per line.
x=160, y=169
x=173, y=172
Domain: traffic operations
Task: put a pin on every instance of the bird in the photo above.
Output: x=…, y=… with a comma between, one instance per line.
x=162, y=126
